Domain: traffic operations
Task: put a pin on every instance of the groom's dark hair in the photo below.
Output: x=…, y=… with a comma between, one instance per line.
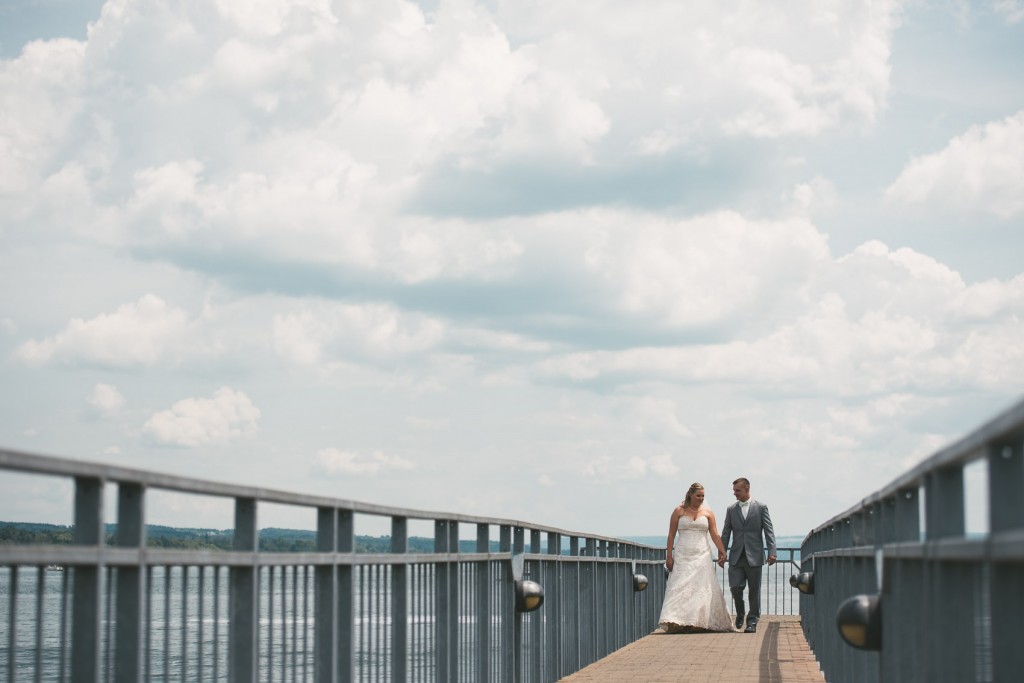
x=742, y=480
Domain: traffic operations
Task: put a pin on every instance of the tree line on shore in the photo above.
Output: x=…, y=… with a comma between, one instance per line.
x=270, y=540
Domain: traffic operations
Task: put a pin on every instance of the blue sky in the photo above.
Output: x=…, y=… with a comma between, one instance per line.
x=531, y=260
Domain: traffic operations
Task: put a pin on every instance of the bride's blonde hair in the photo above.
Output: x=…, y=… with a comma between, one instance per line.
x=694, y=487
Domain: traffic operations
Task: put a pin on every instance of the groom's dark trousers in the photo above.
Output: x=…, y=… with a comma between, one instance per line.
x=741, y=574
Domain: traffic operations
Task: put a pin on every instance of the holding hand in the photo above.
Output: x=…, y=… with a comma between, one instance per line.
x=721, y=561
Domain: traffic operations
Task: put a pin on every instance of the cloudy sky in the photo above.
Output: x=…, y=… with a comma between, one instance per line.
x=550, y=261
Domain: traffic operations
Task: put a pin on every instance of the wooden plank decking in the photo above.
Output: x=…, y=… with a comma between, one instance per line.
x=778, y=652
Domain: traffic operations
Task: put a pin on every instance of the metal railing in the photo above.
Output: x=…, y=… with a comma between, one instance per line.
x=778, y=595
x=921, y=599
x=122, y=611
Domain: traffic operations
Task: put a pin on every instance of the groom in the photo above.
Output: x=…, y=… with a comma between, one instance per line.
x=748, y=519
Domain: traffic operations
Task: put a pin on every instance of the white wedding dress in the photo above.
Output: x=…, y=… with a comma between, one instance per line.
x=693, y=596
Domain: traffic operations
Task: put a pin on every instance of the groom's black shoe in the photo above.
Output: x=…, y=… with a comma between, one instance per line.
x=739, y=621
x=751, y=626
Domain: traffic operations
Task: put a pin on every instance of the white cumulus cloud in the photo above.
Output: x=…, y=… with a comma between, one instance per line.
x=333, y=461
x=980, y=171
x=106, y=399
x=332, y=330
x=226, y=416
x=139, y=333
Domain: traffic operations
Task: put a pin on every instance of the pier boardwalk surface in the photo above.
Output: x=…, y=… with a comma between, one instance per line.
x=778, y=652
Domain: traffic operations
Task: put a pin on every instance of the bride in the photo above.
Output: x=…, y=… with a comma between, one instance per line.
x=693, y=598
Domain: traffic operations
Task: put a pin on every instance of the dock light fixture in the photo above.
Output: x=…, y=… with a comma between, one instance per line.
x=639, y=580
x=860, y=621
x=803, y=582
x=529, y=594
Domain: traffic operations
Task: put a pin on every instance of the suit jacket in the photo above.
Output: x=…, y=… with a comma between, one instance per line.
x=746, y=534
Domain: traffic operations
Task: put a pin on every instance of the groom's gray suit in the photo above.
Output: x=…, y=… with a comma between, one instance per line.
x=746, y=555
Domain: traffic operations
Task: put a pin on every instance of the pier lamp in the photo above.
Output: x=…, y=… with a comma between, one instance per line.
x=860, y=621
x=529, y=595
x=639, y=580
x=803, y=582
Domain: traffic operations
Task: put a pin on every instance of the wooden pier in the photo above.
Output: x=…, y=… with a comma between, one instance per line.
x=778, y=652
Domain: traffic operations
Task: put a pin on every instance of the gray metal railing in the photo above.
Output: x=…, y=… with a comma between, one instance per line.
x=921, y=599
x=121, y=611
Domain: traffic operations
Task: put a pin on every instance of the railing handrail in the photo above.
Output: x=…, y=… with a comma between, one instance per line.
x=67, y=467
x=916, y=595
x=1004, y=427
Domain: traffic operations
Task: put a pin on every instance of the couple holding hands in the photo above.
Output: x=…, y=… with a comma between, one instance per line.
x=693, y=598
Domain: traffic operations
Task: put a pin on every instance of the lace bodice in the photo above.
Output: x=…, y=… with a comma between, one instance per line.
x=692, y=526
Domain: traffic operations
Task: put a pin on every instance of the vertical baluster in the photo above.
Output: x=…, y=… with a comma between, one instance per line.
x=184, y=624
x=305, y=622
x=217, y=577
x=283, y=589
x=270, y=623
x=361, y=644
x=295, y=623
x=200, y=615
x=40, y=591
x=283, y=637
x=65, y=599
x=12, y=626
x=148, y=638
x=167, y=623
x=108, y=621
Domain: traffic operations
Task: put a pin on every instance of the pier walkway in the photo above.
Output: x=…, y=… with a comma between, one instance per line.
x=777, y=653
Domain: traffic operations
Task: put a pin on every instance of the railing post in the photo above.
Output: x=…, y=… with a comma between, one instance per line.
x=131, y=533
x=244, y=606
x=483, y=604
x=574, y=589
x=518, y=535
x=325, y=606
x=446, y=599
x=908, y=515
x=590, y=603
x=950, y=591
x=553, y=585
x=87, y=596
x=399, y=599
x=508, y=615
x=534, y=618
x=944, y=503
x=1005, y=474
x=346, y=602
